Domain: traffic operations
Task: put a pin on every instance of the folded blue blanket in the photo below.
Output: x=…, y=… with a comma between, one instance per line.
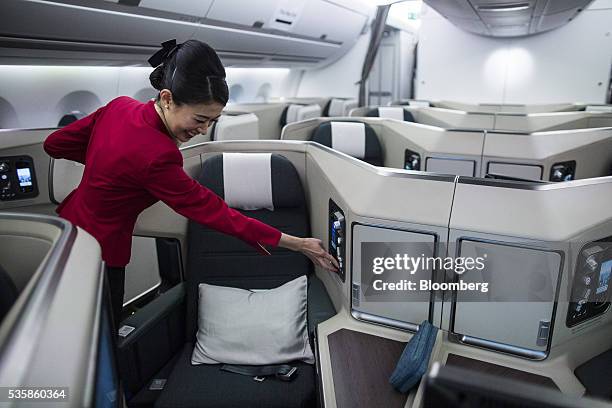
x=414, y=359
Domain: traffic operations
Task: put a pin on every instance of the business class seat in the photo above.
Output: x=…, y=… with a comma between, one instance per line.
x=297, y=112
x=391, y=112
x=339, y=107
x=69, y=118
x=357, y=139
x=220, y=259
x=235, y=126
x=8, y=293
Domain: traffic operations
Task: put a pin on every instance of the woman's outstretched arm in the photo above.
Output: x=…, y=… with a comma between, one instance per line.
x=312, y=248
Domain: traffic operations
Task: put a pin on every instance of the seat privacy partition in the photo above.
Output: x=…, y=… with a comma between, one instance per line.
x=51, y=266
x=506, y=121
x=549, y=156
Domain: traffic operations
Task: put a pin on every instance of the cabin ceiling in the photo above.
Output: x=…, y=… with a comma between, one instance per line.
x=497, y=18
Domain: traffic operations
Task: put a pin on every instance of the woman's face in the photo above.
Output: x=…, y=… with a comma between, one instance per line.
x=188, y=120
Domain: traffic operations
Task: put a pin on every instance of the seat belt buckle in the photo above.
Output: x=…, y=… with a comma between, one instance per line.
x=259, y=378
x=290, y=375
x=125, y=330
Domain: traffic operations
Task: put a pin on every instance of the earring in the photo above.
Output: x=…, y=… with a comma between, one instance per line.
x=167, y=107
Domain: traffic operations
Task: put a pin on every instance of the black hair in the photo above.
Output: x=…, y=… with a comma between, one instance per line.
x=193, y=73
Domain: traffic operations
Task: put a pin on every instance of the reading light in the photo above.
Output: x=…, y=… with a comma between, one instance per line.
x=383, y=2
x=412, y=160
x=563, y=171
x=504, y=7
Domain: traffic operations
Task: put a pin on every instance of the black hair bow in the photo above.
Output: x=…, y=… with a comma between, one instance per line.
x=168, y=48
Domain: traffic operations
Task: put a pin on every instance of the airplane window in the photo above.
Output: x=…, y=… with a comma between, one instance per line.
x=236, y=93
x=84, y=101
x=263, y=93
x=8, y=115
x=145, y=94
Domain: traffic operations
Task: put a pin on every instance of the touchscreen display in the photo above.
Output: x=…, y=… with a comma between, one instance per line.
x=24, y=176
x=333, y=237
x=604, y=276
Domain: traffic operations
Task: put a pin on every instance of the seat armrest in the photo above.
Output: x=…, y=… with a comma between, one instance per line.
x=158, y=335
x=152, y=314
x=320, y=306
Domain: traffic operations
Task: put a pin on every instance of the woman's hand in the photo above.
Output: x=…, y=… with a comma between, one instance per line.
x=312, y=248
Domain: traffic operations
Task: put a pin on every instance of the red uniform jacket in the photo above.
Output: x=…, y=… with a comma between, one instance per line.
x=130, y=163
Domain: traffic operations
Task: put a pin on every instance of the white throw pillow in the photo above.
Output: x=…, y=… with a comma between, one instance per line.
x=263, y=327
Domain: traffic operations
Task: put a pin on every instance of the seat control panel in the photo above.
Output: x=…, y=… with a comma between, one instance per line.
x=17, y=178
x=337, y=237
x=591, y=287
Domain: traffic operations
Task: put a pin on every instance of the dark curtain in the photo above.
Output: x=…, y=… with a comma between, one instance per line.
x=609, y=96
x=378, y=27
x=414, y=71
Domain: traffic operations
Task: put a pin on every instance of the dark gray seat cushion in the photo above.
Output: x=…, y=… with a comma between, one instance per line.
x=206, y=386
x=596, y=376
x=320, y=306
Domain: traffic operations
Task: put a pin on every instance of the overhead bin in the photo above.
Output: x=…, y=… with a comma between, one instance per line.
x=238, y=12
x=112, y=25
x=243, y=33
x=321, y=19
x=312, y=19
x=312, y=24
x=189, y=7
x=266, y=45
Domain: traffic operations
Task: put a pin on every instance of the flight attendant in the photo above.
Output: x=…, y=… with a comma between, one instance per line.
x=131, y=157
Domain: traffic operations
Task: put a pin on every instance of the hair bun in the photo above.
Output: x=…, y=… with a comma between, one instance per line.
x=193, y=72
x=157, y=78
